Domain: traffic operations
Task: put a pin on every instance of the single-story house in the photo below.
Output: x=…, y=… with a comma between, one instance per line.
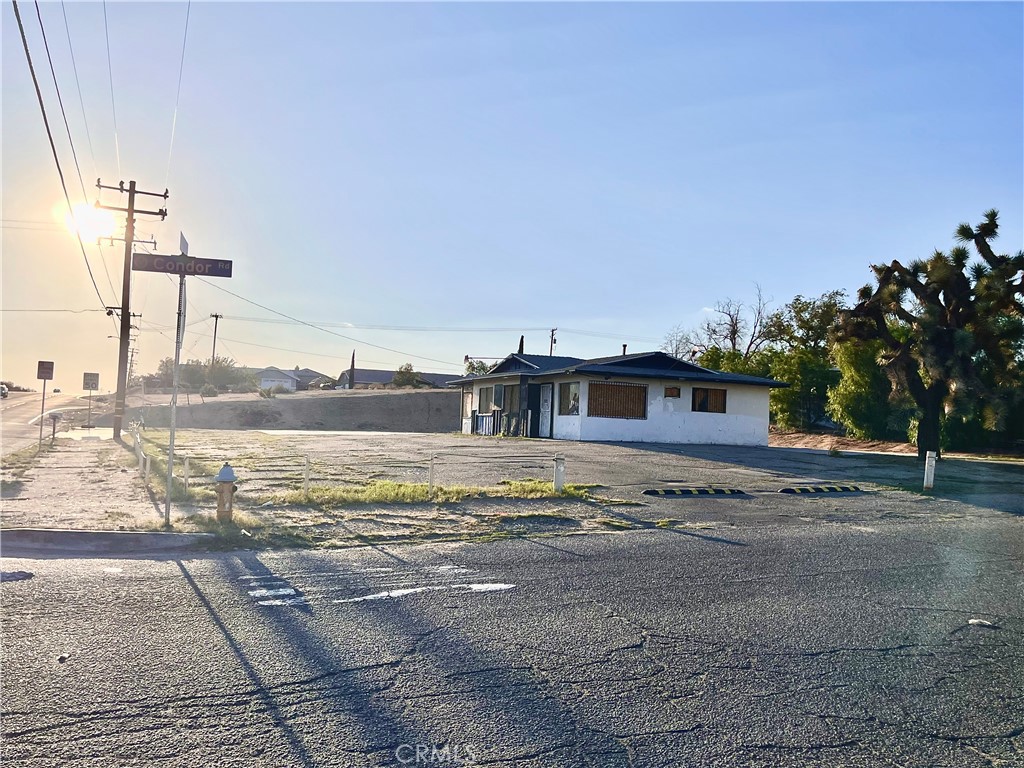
x=369, y=378
x=649, y=397
x=275, y=377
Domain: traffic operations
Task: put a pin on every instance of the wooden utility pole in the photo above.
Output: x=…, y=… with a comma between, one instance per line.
x=213, y=352
x=126, y=284
x=551, y=347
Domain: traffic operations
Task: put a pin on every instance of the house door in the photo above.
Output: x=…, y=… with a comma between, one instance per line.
x=545, y=410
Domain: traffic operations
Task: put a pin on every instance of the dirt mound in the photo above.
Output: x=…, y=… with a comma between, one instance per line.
x=827, y=442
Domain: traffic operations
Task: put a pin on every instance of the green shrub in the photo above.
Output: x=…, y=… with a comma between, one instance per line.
x=208, y=390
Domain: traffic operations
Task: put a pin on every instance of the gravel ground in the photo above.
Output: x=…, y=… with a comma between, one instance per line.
x=92, y=484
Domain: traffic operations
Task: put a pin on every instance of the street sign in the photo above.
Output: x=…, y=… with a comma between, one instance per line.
x=90, y=382
x=180, y=265
x=45, y=370
x=182, y=244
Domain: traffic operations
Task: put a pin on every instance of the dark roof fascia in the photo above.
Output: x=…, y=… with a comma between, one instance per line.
x=713, y=377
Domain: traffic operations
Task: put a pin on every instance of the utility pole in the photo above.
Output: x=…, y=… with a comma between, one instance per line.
x=213, y=352
x=126, y=284
x=551, y=347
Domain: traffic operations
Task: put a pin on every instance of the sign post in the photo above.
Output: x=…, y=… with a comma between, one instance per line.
x=44, y=371
x=90, y=383
x=181, y=265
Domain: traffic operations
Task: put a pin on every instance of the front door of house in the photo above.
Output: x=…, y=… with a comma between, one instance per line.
x=545, y=410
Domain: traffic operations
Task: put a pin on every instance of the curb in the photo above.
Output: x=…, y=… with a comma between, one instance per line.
x=822, y=489
x=692, y=492
x=14, y=541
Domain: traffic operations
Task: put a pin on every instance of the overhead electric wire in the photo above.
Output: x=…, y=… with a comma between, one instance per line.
x=325, y=330
x=177, y=97
x=72, y=311
x=344, y=357
x=78, y=84
x=53, y=147
x=431, y=329
x=60, y=101
x=71, y=142
x=110, y=74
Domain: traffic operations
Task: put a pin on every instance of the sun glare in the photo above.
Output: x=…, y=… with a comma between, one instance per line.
x=90, y=222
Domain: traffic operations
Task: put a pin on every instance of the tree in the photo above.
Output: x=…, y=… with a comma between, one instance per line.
x=809, y=374
x=733, y=327
x=405, y=376
x=476, y=367
x=958, y=319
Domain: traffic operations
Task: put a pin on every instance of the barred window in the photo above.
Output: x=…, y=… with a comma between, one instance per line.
x=708, y=400
x=617, y=401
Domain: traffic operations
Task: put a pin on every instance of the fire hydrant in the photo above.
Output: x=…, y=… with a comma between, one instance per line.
x=225, y=492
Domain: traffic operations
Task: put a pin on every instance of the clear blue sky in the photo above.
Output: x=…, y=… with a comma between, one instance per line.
x=613, y=169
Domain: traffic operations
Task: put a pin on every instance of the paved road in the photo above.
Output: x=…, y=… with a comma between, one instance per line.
x=19, y=417
x=832, y=644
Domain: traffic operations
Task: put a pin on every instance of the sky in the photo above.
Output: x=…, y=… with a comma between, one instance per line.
x=429, y=181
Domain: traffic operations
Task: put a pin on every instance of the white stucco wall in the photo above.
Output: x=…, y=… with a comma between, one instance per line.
x=669, y=420
x=268, y=382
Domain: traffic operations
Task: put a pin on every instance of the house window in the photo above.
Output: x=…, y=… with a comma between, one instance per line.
x=485, y=399
x=617, y=401
x=671, y=391
x=708, y=400
x=511, y=398
x=569, y=399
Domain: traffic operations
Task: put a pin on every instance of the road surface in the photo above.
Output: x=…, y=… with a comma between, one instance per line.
x=891, y=644
x=19, y=417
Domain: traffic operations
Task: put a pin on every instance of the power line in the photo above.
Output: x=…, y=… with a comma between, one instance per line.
x=60, y=101
x=177, y=97
x=410, y=328
x=71, y=142
x=72, y=311
x=78, y=84
x=53, y=147
x=110, y=73
x=325, y=330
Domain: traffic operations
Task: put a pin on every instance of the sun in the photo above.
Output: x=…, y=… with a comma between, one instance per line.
x=90, y=223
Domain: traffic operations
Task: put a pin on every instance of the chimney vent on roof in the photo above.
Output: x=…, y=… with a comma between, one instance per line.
x=623, y=349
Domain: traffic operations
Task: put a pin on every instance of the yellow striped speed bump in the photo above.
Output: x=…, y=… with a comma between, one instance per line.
x=692, y=492
x=821, y=489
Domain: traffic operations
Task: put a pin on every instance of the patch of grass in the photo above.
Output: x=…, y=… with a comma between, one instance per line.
x=392, y=492
x=666, y=522
x=612, y=522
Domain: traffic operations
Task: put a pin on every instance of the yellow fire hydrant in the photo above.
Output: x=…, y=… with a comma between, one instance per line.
x=225, y=492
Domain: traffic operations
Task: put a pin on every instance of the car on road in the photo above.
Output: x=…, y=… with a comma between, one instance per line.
x=3, y=390
x=56, y=390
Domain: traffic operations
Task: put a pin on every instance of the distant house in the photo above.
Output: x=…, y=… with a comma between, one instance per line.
x=293, y=380
x=648, y=397
x=271, y=377
x=369, y=378
x=306, y=376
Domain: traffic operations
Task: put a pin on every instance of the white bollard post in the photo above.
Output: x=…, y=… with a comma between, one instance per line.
x=430, y=478
x=929, y=470
x=305, y=477
x=185, y=474
x=559, y=479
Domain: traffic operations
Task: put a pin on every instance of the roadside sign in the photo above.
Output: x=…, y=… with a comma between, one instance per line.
x=182, y=244
x=180, y=265
x=90, y=382
x=44, y=370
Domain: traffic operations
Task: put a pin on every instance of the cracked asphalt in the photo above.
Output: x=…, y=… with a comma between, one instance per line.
x=769, y=644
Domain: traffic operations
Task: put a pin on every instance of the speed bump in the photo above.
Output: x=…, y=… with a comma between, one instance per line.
x=692, y=492
x=821, y=489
